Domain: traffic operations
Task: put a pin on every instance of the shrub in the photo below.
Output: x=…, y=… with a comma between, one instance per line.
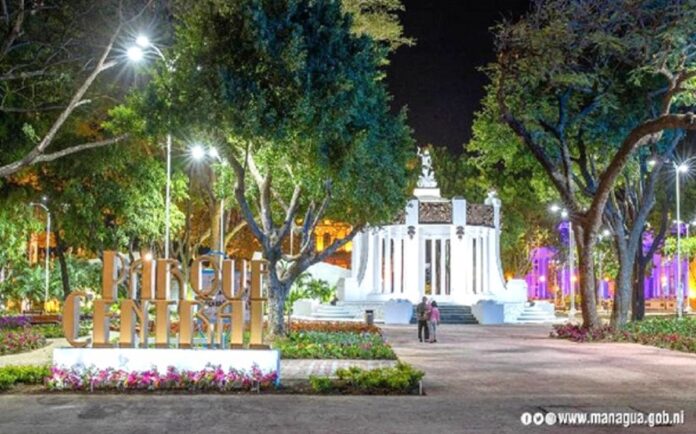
x=320, y=384
x=664, y=332
x=306, y=286
x=20, y=340
x=29, y=374
x=6, y=380
x=50, y=331
x=332, y=327
x=342, y=345
x=402, y=378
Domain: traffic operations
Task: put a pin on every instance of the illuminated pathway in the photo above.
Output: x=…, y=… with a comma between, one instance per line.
x=480, y=379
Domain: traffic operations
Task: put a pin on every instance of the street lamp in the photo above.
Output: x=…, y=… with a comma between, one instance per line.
x=678, y=170
x=198, y=153
x=571, y=278
x=604, y=234
x=136, y=53
x=48, y=248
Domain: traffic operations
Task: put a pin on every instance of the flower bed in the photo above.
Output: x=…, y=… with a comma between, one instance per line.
x=339, y=345
x=19, y=340
x=401, y=379
x=664, y=332
x=578, y=333
x=210, y=379
x=14, y=322
x=332, y=327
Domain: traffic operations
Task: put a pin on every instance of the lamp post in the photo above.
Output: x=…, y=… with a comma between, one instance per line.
x=565, y=216
x=679, y=169
x=600, y=262
x=198, y=153
x=687, y=308
x=48, y=247
x=136, y=54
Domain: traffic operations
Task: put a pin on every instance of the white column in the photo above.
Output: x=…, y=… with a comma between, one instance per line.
x=387, y=262
x=459, y=252
x=486, y=269
x=479, y=263
x=398, y=240
x=443, y=269
x=378, y=262
x=412, y=278
x=433, y=268
x=492, y=262
x=412, y=261
x=468, y=259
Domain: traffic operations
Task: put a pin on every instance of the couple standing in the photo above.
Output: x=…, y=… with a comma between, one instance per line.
x=428, y=315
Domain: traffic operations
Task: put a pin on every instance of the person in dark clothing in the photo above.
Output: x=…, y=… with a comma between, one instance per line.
x=422, y=314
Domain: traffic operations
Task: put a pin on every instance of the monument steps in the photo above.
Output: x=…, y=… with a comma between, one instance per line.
x=533, y=314
x=329, y=312
x=452, y=314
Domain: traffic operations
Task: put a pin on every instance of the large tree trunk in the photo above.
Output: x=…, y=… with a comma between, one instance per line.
x=277, y=294
x=638, y=311
x=585, y=249
x=60, y=253
x=622, y=293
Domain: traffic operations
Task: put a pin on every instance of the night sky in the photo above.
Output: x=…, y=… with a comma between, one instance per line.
x=437, y=78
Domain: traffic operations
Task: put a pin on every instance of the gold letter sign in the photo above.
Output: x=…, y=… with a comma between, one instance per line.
x=146, y=290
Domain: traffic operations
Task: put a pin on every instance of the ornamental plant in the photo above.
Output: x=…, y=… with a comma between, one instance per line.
x=14, y=322
x=333, y=327
x=19, y=340
x=402, y=378
x=339, y=345
x=29, y=374
x=209, y=379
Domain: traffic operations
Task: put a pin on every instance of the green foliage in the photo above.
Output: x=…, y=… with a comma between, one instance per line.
x=52, y=331
x=27, y=374
x=28, y=281
x=687, y=246
x=112, y=200
x=16, y=223
x=340, y=345
x=402, y=378
x=313, y=108
x=663, y=325
x=378, y=19
x=320, y=384
x=306, y=287
x=665, y=332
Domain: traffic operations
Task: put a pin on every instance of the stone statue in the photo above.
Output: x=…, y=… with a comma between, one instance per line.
x=427, y=177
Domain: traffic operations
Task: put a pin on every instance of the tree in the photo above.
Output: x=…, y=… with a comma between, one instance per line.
x=16, y=222
x=566, y=69
x=378, y=19
x=299, y=107
x=51, y=54
x=111, y=200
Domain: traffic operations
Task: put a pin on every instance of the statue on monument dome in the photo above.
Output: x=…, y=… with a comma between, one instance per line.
x=427, y=176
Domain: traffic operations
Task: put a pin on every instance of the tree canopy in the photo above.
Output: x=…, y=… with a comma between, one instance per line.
x=298, y=107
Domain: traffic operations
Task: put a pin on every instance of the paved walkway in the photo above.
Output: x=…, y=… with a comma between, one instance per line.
x=36, y=357
x=480, y=379
x=289, y=369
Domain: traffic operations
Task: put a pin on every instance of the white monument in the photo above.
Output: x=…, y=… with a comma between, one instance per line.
x=446, y=249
